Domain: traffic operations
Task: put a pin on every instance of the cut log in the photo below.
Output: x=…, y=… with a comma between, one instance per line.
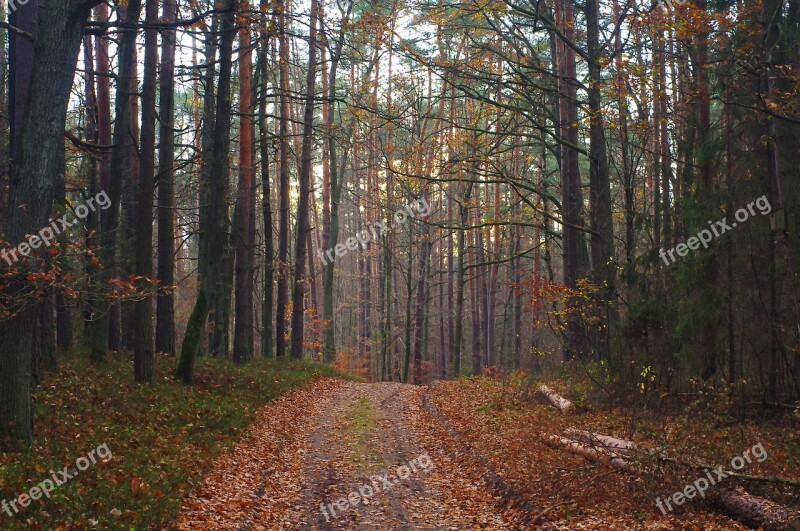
x=557, y=400
x=596, y=455
x=605, y=442
x=757, y=512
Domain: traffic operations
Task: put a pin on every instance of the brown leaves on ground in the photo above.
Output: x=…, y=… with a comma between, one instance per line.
x=264, y=462
x=500, y=440
x=319, y=445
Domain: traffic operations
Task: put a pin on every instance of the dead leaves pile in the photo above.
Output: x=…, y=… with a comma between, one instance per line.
x=263, y=462
x=540, y=487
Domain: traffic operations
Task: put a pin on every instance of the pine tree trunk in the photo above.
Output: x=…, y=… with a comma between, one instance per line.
x=329, y=346
x=574, y=245
x=123, y=325
x=243, y=331
x=215, y=226
x=423, y=265
x=602, y=240
x=267, y=337
x=455, y=359
x=299, y=292
x=119, y=166
x=283, y=186
x=144, y=360
x=165, y=303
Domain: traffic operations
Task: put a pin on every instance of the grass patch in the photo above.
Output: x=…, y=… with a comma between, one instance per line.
x=360, y=424
x=163, y=437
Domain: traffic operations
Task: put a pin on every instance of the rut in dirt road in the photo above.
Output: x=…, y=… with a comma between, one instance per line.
x=359, y=458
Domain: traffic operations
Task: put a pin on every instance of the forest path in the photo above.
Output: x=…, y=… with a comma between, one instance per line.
x=359, y=458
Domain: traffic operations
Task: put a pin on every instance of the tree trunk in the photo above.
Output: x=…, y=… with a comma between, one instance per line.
x=756, y=512
x=574, y=245
x=329, y=347
x=243, y=319
x=455, y=359
x=602, y=240
x=119, y=166
x=165, y=303
x=32, y=183
x=423, y=265
x=705, y=190
x=298, y=299
x=215, y=226
x=283, y=186
x=144, y=360
x=122, y=325
x=267, y=338
x=478, y=330
x=103, y=138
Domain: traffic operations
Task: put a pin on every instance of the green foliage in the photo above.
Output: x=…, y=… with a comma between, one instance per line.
x=600, y=372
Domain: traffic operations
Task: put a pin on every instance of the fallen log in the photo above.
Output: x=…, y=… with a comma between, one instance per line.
x=599, y=440
x=757, y=512
x=596, y=455
x=749, y=509
x=557, y=400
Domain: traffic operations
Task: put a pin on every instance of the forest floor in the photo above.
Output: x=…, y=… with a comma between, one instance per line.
x=310, y=452
x=474, y=459
x=163, y=437
x=298, y=445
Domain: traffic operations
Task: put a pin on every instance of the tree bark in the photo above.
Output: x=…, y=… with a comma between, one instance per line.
x=283, y=185
x=243, y=319
x=602, y=240
x=557, y=400
x=329, y=346
x=423, y=265
x=757, y=512
x=215, y=226
x=298, y=299
x=165, y=303
x=267, y=338
x=32, y=184
x=573, y=243
x=144, y=357
x=455, y=359
x=119, y=166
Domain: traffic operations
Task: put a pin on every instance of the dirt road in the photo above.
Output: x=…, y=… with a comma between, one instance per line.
x=341, y=456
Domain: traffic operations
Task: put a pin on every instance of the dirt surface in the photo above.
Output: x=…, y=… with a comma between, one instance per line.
x=341, y=455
